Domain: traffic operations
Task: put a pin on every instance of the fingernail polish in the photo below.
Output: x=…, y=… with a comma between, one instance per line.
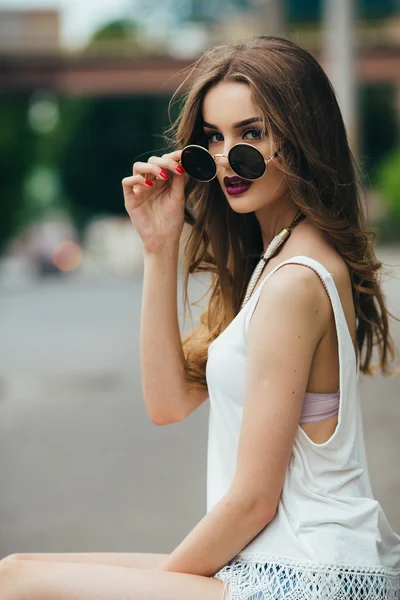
x=164, y=174
x=180, y=169
x=148, y=182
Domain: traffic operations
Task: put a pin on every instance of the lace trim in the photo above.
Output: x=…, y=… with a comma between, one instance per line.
x=318, y=420
x=257, y=577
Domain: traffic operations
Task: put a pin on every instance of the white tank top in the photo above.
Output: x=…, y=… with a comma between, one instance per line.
x=329, y=538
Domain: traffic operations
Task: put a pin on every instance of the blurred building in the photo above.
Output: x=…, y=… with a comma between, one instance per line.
x=23, y=31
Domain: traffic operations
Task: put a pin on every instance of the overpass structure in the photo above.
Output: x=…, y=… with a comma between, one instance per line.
x=102, y=75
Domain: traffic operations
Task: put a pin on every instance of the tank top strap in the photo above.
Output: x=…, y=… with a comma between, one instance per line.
x=348, y=359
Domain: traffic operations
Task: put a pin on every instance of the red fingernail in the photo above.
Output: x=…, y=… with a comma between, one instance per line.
x=164, y=174
x=180, y=169
x=148, y=182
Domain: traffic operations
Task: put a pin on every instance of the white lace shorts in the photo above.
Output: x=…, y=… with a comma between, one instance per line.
x=266, y=581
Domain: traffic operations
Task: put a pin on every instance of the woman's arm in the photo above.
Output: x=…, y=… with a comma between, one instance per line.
x=164, y=384
x=283, y=334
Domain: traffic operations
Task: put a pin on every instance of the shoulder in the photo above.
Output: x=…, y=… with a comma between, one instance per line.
x=292, y=277
x=295, y=295
x=295, y=291
x=301, y=281
x=292, y=284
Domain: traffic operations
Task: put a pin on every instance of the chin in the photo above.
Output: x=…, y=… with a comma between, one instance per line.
x=244, y=203
x=243, y=209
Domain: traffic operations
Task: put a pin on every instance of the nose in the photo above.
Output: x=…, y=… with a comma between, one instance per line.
x=222, y=160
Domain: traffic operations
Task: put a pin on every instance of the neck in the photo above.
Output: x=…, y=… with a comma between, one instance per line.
x=273, y=221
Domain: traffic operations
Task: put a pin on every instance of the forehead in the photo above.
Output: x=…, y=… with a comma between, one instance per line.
x=228, y=102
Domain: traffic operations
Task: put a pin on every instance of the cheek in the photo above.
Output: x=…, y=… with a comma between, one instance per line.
x=272, y=183
x=274, y=174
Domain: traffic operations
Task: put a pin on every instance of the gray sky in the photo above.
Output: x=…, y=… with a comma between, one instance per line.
x=79, y=17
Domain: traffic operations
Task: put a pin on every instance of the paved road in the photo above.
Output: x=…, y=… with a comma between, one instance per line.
x=81, y=466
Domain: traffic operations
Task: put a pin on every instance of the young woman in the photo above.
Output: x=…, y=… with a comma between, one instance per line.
x=277, y=352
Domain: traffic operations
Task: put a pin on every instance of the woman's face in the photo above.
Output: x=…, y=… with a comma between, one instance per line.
x=225, y=107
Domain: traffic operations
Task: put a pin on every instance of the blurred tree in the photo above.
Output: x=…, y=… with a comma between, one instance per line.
x=118, y=34
x=204, y=10
x=310, y=10
x=121, y=29
x=379, y=128
x=41, y=184
x=29, y=155
x=374, y=9
x=296, y=10
x=185, y=11
x=17, y=151
x=174, y=12
x=110, y=135
x=388, y=184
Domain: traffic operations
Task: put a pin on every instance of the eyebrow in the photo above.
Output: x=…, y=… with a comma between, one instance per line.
x=235, y=125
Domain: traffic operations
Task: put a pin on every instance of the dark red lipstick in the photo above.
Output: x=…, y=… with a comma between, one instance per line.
x=235, y=185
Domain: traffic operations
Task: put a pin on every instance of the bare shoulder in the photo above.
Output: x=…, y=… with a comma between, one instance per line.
x=294, y=288
x=302, y=276
x=312, y=242
x=293, y=295
x=298, y=286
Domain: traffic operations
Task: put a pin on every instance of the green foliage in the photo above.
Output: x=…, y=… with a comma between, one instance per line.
x=42, y=187
x=310, y=10
x=29, y=160
x=388, y=183
x=120, y=29
x=50, y=146
x=110, y=135
x=17, y=151
x=379, y=131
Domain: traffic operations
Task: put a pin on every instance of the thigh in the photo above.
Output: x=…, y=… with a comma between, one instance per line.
x=36, y=580
x=136, y=560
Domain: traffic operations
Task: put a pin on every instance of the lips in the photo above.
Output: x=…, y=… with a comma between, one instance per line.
x=228, y=181
x=235, y=185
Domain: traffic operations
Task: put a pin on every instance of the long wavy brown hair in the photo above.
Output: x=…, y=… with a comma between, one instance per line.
x=301, y=113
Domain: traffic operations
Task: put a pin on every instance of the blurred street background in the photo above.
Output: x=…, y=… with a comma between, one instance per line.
x=84, y=91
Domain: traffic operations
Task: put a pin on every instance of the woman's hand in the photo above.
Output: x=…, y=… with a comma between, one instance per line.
x=155, y=200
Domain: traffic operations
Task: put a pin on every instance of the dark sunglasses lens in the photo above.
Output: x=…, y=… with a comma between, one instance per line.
x=198, y=163
x=247, y=161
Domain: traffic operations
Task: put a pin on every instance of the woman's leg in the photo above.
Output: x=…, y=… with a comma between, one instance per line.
x=137, y=560
x=36, y=580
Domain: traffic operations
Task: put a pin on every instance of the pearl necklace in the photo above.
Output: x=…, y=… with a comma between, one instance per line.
x=277, y=241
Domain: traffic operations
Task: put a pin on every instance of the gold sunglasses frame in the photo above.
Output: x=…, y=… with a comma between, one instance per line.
x=213, y=156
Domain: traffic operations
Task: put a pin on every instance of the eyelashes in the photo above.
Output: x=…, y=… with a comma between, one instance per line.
x=259, y=135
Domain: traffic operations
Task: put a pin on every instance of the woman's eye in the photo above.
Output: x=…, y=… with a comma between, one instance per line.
x=251, y=134
x=212, y=137
x=255, y=134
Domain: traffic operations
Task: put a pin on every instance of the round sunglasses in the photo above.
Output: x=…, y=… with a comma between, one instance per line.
x=244, y=159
